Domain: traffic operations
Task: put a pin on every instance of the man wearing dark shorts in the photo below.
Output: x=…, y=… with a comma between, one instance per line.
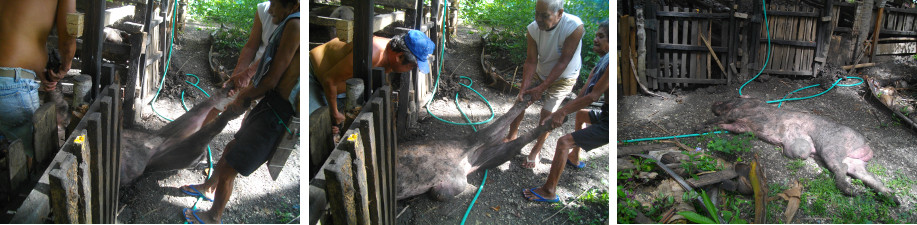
x=589, y=138
x=276, y=82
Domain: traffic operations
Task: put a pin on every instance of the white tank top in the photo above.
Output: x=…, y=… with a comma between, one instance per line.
x=267, y=28
x=550, y=43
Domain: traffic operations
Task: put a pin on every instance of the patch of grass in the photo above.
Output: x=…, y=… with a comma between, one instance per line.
x=901, y=184
x=824, y=199
x=697, y=161
x=729, y=145
x=794, y=166
x=876, y=169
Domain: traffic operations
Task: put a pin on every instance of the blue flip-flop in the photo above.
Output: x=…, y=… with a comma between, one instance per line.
x=541, y=199
x=193, y=213
x=196, y=193
x=580, y=166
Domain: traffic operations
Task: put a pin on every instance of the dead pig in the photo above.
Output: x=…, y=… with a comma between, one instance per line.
x=441, y=166
x=843, y=150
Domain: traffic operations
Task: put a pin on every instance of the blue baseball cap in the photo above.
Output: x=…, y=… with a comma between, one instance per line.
x=421, y=46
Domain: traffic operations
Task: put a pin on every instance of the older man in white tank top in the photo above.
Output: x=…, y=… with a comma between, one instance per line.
x=553, y=58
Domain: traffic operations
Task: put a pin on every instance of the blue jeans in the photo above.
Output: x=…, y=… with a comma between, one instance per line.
x=18, y=101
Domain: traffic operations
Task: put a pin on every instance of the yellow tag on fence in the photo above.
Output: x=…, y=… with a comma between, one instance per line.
x=353, y=137
x=79, y=139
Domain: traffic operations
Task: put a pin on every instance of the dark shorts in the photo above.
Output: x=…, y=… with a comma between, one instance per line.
x=595, y=135
x=260, y=132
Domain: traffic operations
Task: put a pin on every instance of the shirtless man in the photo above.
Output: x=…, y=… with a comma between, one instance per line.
x=24, y=30
x=331, y=64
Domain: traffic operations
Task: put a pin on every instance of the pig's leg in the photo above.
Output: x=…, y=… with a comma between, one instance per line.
x=857, y=169
x=836, y=165
x=449, y=187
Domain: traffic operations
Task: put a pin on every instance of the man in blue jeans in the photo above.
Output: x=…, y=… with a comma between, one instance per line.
x=24, y=31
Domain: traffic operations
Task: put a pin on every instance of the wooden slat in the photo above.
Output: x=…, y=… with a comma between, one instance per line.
x=683, y=72
x=339, y=187
x=652, y=56
x=106, y=172
x=899, y=33
x=65, y=190
x=901, y=10
x=783, y=12
x=693, y=58
x=375, y=105
x=392, y=149
x=666, y=32
x=692, y=81
x=676, y=14
x=94, y=138
x=365, y=125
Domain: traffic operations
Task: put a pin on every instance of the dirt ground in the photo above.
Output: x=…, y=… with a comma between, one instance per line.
x=501, y=200
x=156, y=198
x=893, y=142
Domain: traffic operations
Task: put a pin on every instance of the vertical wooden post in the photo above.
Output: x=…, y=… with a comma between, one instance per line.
x=652, y=37
x=94, y=140
x=114, y=90
x=64, y=190
x=91, y=56
x=392, y=147
x=365, y=125
x=403, y=102
x=378, y=119
x=45, y=123
x=362, y=42
x=80, y=148
x=339, y=187
x=131, y=88
x=354, y=147
x=105, y=110
x=16, y=164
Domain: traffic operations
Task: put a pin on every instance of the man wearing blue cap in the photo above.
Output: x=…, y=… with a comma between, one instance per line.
x=331, y=64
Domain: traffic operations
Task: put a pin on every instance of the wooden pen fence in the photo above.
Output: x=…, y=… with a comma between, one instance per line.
x=356, y=184
x=692, y=46
x=81, y=183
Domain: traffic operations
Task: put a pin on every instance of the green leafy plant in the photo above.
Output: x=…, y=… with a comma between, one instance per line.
x=729, y=145
x=697, y=161
x=822, y=198
x=643, y=164
x=627, y=207
x=509, y=19
x=234, y=17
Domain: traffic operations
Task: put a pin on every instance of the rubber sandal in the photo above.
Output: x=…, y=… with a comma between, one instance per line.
x=193, y=213
x=540, y=199
x=580, y=166
x=196, y=193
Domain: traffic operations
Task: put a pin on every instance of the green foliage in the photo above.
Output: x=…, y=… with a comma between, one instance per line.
x=730, y=211
x=595, y=196
x=509, y=19
x=697, y=161
x=795, y=165
x=729, y=145
x=643, y=164
x=235, y=16
x=626, y=175
x=823, y=199
x=627, y=207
